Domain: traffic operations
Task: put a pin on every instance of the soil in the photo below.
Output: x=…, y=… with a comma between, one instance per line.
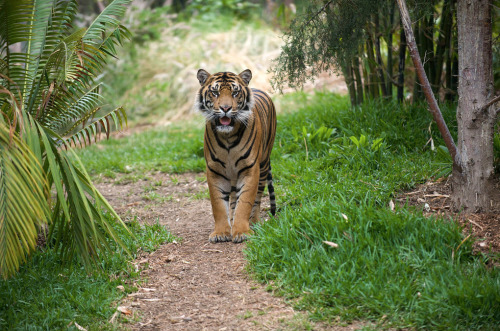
x=192, y=284
x=433, y=198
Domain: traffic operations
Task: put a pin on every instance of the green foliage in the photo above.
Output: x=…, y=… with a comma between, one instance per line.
x=46, y=295
x=322, y=38
x=396, y=268
x=49, y=101
x=496, y=152
x=23, y=187
x=210, y=10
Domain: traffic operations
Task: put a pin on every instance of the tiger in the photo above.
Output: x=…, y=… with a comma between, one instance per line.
x=240, y=127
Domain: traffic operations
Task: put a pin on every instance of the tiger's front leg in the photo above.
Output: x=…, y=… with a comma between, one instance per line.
x=247, y=191
x=220, y=190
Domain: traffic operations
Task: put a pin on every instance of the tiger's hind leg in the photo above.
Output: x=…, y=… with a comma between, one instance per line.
x=255, y=215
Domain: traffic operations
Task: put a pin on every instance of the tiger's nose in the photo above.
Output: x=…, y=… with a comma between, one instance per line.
x=225, y=108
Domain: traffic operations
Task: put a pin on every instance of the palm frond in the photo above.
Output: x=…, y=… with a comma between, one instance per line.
x=108, y=19
x=65, y=109
x=78, y=217
x=94, y=129
x=47, y=91
x=23, y=201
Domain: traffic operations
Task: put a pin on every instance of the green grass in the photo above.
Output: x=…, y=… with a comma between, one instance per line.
x=46, y=295
x=170, y=149
x=335, y=171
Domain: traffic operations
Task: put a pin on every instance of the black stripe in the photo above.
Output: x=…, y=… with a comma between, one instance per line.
x=270, y=188
x=250, y=134
x=244, y=169
x=240, y=133
x=247, y=153
x=217, y=173
x=212, y=155
x=219, y=142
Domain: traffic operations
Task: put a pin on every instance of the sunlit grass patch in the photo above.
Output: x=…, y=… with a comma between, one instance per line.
x=171, y=149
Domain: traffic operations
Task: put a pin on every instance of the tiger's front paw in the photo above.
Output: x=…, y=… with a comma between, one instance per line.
x=216, y=237
x=240, y=236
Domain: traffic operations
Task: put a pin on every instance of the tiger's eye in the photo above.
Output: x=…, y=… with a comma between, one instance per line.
x=235, y=93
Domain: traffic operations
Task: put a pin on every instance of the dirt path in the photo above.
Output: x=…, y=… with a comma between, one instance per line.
x=192, y=284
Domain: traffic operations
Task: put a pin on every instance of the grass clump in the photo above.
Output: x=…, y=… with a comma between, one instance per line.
x=336, y=169
x=48, y=295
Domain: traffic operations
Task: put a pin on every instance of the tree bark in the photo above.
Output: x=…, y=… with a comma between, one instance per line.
x=373, y=82
x=473, y=184
x=351, y=88
x=359, y=81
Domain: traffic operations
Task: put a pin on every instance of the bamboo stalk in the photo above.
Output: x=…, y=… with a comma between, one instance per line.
x=402, y=59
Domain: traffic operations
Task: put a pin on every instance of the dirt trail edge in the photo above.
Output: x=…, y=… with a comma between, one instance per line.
x=192, y=284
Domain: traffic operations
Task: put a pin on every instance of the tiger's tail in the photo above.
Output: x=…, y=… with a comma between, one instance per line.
x=270, y=188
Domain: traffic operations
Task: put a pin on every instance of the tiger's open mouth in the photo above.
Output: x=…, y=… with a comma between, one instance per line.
x=225, y=121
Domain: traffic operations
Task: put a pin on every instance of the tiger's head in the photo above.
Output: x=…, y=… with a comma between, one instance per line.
x=225, y=98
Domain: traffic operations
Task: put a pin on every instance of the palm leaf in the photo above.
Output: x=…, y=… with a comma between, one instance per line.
x=23, y=201
x=47, y=88
x=95, y=128
x=80, y=220
x=108, y=19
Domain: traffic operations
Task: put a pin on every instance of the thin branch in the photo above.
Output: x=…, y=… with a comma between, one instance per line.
x=317, y=13
x=489, y=103
x=426, y=87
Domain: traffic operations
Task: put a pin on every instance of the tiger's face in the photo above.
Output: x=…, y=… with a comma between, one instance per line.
x=225, y=98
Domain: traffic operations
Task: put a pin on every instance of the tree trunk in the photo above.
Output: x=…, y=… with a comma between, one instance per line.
x=390, y=64
x=380, y=63
x=417, y=90
x=443, y=44
x=401, y=68
x=359, y=81
x=372, y=68
x=473, y=184
x=351, y=88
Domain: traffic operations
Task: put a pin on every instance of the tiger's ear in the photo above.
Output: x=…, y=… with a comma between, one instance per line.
x=202, y=76
x=246, y=75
